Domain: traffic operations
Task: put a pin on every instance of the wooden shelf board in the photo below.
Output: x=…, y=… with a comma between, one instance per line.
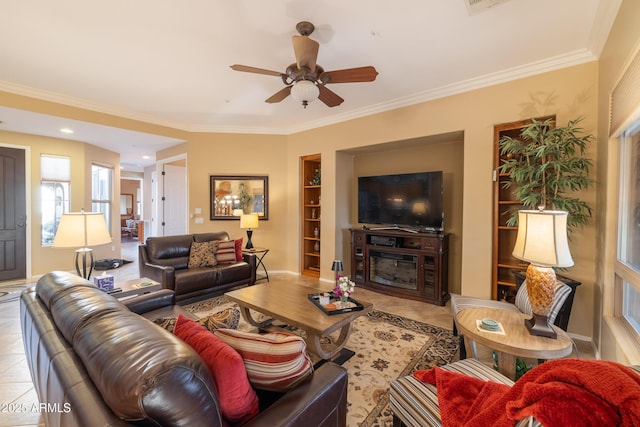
x=513, y=265
x=312, y=254
x=509, y=284
x=507, y=227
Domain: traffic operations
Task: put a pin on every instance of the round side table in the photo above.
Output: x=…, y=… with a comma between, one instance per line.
x=516, y=340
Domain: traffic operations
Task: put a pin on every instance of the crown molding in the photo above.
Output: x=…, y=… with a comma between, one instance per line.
x=85, y=104
x=550, y=64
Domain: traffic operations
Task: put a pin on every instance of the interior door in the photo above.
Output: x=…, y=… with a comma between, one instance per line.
x=174, y=200
x=13, y=215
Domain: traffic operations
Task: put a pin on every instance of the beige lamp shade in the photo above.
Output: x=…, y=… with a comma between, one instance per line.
x=249, y=221
x=542, y=238
x=542, y=241
x=82, y=229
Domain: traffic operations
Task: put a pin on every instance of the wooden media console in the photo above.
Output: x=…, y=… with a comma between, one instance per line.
x=401, y=263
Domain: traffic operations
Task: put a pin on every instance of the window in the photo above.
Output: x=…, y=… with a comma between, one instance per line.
x=101, y=191
x=627, y=267
x=55, y=185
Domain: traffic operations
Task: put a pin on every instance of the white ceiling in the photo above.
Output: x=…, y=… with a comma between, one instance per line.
x=167, y=62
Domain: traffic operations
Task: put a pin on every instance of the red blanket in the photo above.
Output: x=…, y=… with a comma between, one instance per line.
x=563, y=393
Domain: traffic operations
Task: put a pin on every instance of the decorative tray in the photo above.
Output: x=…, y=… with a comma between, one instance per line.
x=334, y=302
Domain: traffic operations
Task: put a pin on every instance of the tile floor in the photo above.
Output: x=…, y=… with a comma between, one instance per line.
x=16, y=388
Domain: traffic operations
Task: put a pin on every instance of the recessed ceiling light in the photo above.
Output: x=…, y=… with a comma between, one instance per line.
x=146, y=157
x=66, y=130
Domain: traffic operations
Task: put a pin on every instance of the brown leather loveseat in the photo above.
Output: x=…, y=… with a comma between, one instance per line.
x=165, y=259
x=95, y=362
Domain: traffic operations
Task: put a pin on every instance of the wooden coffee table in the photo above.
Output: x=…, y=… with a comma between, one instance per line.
x=289, y=303
x=515, y=342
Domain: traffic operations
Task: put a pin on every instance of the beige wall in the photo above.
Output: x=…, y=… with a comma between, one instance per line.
x=130, y=186
x=609, y=335
x=568, y=93
x=419, y=156
x=239, y=154
x=43, y=259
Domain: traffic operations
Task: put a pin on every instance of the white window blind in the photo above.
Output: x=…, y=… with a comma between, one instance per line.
x=625, y=98
x=55, y=168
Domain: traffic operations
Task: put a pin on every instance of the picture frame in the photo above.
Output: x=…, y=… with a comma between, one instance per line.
x=126, y=204
x=234, y=195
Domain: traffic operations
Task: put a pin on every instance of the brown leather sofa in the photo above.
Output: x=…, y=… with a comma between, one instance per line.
x=165, y=259
x=95, y=362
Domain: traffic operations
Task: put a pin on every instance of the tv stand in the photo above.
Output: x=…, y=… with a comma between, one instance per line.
x=400, y=262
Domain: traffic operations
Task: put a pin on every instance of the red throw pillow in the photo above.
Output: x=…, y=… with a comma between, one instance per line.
x=238, y=401
x=238, y=246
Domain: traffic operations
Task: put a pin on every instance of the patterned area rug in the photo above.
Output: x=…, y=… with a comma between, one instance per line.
x=386, y=347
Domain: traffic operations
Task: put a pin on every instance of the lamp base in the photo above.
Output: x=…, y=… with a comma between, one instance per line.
x=249, y=244
x=539, y=326
x=84, y=252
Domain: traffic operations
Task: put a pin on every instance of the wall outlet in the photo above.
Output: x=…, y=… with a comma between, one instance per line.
x=199, y=220
x=197, y=211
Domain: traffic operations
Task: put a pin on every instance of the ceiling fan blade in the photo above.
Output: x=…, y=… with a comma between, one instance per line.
x=279, y=96
x=329, y=97
x=306, y=51
x=350, y=75
x=248, y=69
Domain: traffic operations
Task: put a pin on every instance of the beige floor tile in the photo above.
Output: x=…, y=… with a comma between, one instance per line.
x=9, y=362
x=11, y=344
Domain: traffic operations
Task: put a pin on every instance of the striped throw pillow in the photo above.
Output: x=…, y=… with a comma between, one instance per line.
x=229, y=251
x=274, y=361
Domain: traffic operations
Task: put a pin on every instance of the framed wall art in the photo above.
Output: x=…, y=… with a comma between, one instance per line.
x=235, y=195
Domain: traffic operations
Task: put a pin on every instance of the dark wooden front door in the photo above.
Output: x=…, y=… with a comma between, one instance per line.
x=13, y=215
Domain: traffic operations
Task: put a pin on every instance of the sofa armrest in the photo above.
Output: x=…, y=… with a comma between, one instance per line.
x=160, y=273
x=151, y=301
x=251, y=259
x=322, y=398
x=163, y=274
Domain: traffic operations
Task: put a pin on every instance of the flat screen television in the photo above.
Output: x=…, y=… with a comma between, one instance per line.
x=410, y=200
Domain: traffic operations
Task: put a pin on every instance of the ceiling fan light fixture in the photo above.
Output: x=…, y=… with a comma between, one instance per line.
x=305, y=91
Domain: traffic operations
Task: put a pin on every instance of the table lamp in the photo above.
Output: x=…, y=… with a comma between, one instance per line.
x=82, y=229
x=337, y=267
x=542, y=241
x=249, y=221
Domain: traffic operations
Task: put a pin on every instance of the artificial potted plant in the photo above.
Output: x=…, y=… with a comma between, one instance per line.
x=546, y=164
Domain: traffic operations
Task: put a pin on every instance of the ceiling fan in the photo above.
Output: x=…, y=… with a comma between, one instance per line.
x=305, y=80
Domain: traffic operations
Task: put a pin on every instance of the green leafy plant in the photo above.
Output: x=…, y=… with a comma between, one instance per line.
x=545, y=165
x=521, y=366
